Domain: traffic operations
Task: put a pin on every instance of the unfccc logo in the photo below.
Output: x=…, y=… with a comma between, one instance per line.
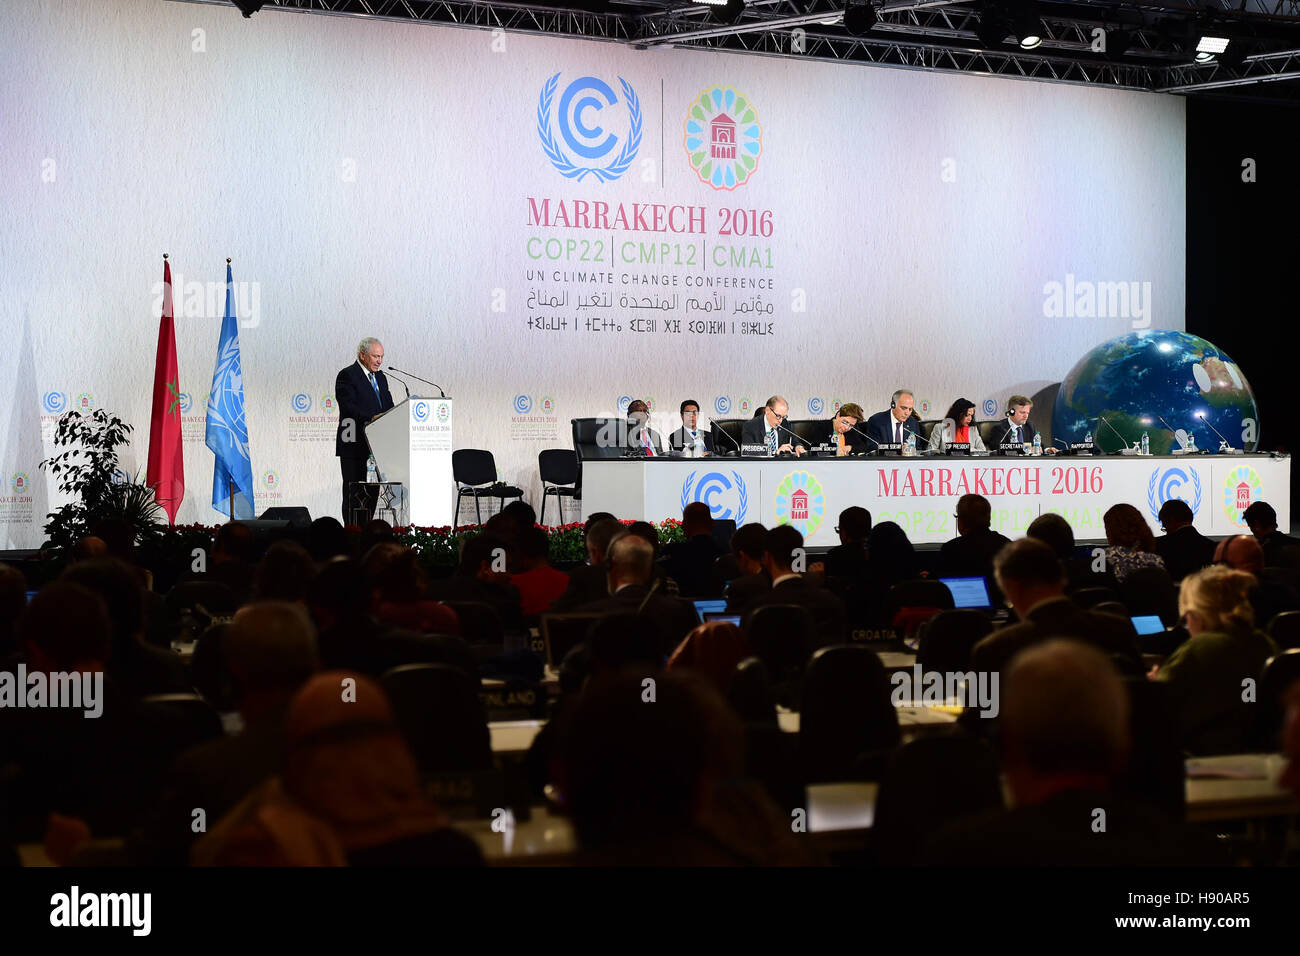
x=722, y=405
x=523, y=404
x=989, y=408
x=1171, y=483
x=713, y=485
x=581, y=102
x=623, y=402
x=421, y=411
x=54, y=403
x=187, y=402
x=301, y=403
x=816, y=406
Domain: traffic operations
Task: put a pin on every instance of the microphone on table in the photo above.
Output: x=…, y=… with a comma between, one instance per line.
x=1226, y=443
x=1181, y=443
x=1062, y=443
x=1127, y=443
x=865, y=435
x=441, y=393
x=402, y=383
x=800, y=437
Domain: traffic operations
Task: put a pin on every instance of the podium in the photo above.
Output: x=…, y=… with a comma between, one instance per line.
x=412, y=446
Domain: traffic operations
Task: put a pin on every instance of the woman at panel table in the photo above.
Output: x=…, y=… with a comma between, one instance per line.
x=957, y=428
x=846, y=437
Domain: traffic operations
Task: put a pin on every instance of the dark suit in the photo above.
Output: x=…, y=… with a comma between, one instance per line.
x=857, y=442
x=633, y=437
x=743, y=589
x=586, y=583
x=676, y=618
x=358, y=403
x=826, y=616
x=1185, y=551
x=690, y=564
x=1058, y=617
x=754, y=432
x=971, y=555
x=1001, y=434
x=679, y=440
x=1274, y=544
x=880, y=428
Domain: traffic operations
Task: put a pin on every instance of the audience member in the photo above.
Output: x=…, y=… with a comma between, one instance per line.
x=397, y=584
x=1182, y=547
x=630, y=564
x=848, y=559
x=712, y=650
x=1273, y=594
x=13, y=598
x=539, y=584
x=1130, y=543
x=284, y=573
x=747, y=549
x=587, y=581
x=327, y=539
x=782, y=550
x=1055, y=532
x=482, y=576
x=971, y=553
x=1280, y=550
x=690, y=562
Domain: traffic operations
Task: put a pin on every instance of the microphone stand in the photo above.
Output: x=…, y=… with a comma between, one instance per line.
x=441, y=393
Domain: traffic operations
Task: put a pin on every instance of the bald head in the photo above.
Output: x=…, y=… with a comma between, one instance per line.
x=1064, y=712
x=631, y=561
x=271, y=646
x=1241, y=552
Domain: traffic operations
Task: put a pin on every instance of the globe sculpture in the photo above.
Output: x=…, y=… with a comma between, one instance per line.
x=1138, y=379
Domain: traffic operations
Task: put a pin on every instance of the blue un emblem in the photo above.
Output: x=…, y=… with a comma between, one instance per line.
x=583, y=147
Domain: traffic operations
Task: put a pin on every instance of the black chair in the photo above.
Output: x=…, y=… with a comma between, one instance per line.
x=1285, y=629
x=479, y=623
x=475, y=472
x=947, y=639
x=986, y=431
x=166, y=725
x=927, y=784
x=558, y=468
x=729, y=442
x=1117, y=608
x=927, y=427
x=813, y=432
x=1280, y=672
x=209, y=671
x=778, y=636
x=750, y=693
x=1089, y=598
x=845, y=711
x=1154, y=773
x=1150, y=591
x=561, y=633
x=439, y=712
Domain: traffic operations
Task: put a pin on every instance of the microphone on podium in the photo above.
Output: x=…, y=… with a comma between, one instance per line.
x=441, y=393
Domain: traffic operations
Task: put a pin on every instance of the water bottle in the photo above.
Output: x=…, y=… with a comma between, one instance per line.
x=1146, y=444
x=1038, y=446
x=1191, y=443
x=372, y=473
x=909, y=447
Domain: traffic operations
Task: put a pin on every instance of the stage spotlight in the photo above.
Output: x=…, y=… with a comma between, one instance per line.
x=859, y=19
x=249, y=7
x=728, y=12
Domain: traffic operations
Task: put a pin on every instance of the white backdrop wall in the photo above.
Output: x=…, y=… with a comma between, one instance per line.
x=374, y=178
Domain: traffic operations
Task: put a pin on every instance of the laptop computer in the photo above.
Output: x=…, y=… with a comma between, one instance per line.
x=1146, y=624
x=972, y=593
x=712, y=606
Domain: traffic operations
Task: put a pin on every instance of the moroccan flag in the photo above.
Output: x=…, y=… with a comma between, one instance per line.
x=166, y=474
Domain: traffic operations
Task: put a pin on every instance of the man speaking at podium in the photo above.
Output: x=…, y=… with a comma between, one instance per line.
x=362, y=393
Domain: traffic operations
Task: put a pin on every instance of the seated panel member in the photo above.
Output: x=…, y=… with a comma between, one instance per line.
x=957, y=427
x=846, y=436
x=690, y=437
x=767, y=429
x=892, y=426
x=1017, y=428
x=640, y=436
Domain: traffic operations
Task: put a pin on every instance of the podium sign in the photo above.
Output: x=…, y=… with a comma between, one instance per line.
x=412, y=444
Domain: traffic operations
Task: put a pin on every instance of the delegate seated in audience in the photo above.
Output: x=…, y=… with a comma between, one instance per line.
x=782, y=549
x=971, y=553
x=711, y=650
x=1033, y=581
x=57, y=759
x=270, y=650
x=848, y=559
x=137, y=668
x=1280, y=550
x=587, y=581
x=747, y=549
x=660, y=784
x=539, y=584
x=1130, y=543
x=690, y=562
x=397, y=584
x=1055, y=532
x=1182, y=547
x=284, y=573
x=482, y=576
x=348, y=793
x=233, y=560
x=327, y=539
x=1065, y=740
x=1205, y=674
x=1271, y=595
x=630, y=564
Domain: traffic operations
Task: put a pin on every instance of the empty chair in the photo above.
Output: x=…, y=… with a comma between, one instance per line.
x=750, y=693
x=1285, y=629
x=1151, y=591
x=1090, y=597
x=440, y=714
x=928, y=784
x=777, y=634
x=480, y=623
x=1281, y=671
x=475, y=472
x=845, y=712
x=948, y=638
x=558, y=469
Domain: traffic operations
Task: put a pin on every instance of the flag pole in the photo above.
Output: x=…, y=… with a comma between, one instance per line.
x=232, y=500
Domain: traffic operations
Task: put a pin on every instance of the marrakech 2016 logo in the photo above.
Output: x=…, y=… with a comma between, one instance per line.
x=1241, y=489
x=270, y=480
x=723, y=138
x=20, y=483
x=801, y=502
x=581, y=147
x=327, y=403
x=443, y=413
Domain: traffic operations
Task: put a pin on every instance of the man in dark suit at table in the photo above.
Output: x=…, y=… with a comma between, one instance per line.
x=1183, y=548
x=747, y=549
x=640, y=436
x=782, y=552
x=690, y=438
x=1016, y=428
x=894, y=424
x=361, y=390
x=768, y=429
x=1280, y=550
x=1032, y=578
x=630, y=569
x=971, y=553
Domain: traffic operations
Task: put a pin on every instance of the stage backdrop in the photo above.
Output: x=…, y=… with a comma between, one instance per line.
x=545, y=228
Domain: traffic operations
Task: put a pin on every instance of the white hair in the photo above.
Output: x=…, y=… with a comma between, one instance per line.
x=366, y=343
x=900, y=393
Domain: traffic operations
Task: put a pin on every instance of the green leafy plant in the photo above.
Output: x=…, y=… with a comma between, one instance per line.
x=88, y=470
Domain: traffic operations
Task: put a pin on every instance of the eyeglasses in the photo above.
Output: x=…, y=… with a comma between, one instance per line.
x=779, y=418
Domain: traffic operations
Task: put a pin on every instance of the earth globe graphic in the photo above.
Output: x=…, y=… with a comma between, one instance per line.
x=1138, y=379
